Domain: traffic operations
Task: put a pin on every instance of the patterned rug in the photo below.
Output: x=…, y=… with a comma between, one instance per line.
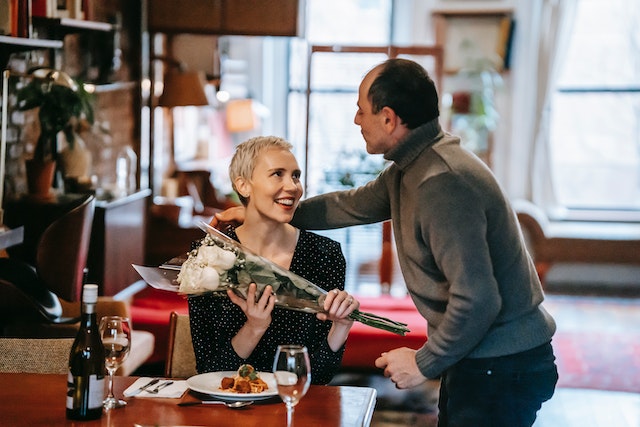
x=602, y=361
x=598, y=342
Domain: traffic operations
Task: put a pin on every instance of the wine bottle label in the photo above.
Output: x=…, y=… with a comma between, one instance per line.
x=90, y=388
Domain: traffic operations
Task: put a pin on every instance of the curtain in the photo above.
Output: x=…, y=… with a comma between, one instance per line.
x=542, y=36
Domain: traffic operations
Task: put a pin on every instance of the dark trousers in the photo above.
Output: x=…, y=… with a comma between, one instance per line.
x=504, y=391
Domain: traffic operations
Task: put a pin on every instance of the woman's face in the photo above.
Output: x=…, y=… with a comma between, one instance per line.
x=275, y=189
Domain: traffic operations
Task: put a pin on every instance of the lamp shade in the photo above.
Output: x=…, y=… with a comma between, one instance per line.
x=182, y=88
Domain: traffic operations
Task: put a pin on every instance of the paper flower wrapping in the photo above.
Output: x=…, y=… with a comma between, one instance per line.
x=220, y=263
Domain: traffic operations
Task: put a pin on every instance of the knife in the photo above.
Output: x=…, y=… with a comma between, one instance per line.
x=144, y=387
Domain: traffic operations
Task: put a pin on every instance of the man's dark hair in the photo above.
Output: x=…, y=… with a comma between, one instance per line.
x=406, y=88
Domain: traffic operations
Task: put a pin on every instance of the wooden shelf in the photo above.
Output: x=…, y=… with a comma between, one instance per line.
x=10, y=45
x=112, y=87
x=63, y=26
x=17, y=44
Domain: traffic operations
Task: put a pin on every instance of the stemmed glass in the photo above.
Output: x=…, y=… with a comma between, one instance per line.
x=115, y=332
x=292, y=371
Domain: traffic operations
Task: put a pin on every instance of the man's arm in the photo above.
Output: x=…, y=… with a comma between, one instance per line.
x=363, y=205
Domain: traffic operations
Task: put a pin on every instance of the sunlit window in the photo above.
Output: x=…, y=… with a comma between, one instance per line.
x=331, y=150
x=595, y=133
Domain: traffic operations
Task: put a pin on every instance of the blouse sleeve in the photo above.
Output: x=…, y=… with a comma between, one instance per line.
x=214, y=321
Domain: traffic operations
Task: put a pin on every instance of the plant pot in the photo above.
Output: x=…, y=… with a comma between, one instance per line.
x=40, y=175
x=75, y=162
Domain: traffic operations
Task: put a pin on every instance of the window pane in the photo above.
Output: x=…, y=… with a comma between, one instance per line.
x=605, y=45
x=595, y=134
x=351, y=22
x=596, y=149
x=336, y=147
x=341, y=71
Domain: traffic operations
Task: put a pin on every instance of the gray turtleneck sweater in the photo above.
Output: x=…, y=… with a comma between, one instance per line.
x=459, y=245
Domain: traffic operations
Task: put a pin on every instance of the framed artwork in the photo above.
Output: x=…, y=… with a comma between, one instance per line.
x=64, y=9
x=473, y=36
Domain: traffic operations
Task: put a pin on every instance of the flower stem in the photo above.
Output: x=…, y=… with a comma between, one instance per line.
x=380, y=322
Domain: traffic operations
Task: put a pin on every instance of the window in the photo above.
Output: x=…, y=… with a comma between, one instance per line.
x=334, y=147
x=595, y=112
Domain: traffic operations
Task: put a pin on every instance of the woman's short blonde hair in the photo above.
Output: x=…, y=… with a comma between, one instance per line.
x=244, y=160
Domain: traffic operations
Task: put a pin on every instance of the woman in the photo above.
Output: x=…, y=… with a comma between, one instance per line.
x=229, y=332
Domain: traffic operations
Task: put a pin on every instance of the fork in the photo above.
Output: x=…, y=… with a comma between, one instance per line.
x=160, y=387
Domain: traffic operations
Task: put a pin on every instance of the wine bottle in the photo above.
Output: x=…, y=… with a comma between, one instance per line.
x=85, y=380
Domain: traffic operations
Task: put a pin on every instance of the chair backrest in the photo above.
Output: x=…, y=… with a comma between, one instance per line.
x=63, y=249
x=181, y=360
x=35, y=355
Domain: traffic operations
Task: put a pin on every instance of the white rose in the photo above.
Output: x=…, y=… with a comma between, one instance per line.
x=188, y=278
x=209, y=279
x=207, y=255
x=216, y=257
x=226, y=260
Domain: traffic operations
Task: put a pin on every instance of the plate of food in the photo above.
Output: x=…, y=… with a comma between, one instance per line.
x=244, y=384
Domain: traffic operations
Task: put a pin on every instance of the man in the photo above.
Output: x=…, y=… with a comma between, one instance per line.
x=461, y=253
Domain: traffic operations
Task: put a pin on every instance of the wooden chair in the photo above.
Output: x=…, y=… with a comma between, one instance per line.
x=181, y=360
x=34, y=291
x=35, y=355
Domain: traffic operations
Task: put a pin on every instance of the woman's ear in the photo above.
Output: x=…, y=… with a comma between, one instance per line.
x=242, y=187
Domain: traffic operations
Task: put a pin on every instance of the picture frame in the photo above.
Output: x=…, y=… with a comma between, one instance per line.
x=466, y=36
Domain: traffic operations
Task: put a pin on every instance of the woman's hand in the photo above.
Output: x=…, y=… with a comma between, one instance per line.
x=258, y=311
x=338, y=305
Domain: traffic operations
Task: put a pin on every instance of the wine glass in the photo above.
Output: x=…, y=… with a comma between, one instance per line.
x=115, y=332
x=292, y=371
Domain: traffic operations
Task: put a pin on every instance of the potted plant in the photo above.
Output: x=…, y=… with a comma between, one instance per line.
x=59, y=99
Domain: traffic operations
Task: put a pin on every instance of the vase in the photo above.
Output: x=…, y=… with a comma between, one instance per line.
x=40, y=175
x=75, y=160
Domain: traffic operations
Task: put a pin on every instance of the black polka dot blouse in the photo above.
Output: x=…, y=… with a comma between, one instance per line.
x=215, y=320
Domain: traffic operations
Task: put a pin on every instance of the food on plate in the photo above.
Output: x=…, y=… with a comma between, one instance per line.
x=246, y=380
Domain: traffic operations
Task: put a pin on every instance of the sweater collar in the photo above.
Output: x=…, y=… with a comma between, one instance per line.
x=414, y=143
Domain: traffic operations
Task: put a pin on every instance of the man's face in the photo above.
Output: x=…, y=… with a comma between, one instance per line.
x=371, y=125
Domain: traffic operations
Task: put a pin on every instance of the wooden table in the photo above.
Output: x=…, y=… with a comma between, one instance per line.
x=39, y=400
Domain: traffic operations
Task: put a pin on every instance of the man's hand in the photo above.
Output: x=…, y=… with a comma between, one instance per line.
x=401, y=368
x=232, y=216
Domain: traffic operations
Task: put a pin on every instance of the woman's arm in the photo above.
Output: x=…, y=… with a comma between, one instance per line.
x=258, y=319
x=214, y=321
x=338, y=305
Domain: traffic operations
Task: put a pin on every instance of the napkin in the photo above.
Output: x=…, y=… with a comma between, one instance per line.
x=175, y=390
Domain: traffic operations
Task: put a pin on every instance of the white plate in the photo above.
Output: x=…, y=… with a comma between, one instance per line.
x=209, y=383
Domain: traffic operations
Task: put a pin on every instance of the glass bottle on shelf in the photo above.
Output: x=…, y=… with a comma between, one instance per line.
x=126, y=164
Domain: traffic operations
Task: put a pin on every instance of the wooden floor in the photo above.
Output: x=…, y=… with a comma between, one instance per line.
x=567, y=408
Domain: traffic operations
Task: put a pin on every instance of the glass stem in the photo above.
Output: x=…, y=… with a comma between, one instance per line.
x=111, y=372
x=289, y=415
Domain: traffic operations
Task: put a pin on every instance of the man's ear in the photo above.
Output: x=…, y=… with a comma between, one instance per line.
x=389, y=118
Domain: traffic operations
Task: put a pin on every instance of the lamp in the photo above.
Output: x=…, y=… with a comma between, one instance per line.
x=183, y=88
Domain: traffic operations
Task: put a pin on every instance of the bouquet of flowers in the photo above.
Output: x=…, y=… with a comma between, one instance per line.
x=221, y=263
